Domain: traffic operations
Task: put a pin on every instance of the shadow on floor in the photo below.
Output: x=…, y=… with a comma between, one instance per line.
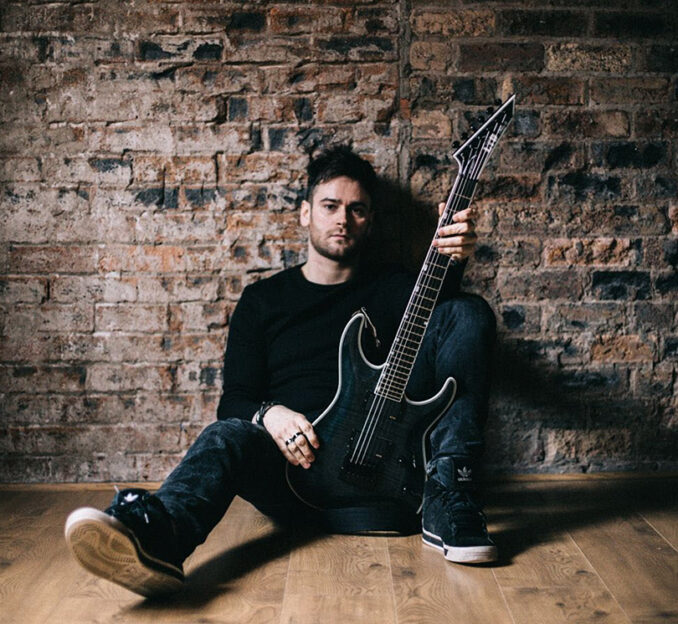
x=525, y=514
x=528, y=514
x=212, y=577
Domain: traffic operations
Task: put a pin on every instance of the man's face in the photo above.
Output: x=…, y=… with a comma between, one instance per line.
x=338, y=219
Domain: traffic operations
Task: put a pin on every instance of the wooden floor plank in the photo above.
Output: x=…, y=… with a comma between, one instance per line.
x=238, y=575
x=344, y=577
x=572, y=551
x=546, y=578
x=638, y=565
x=429, y=589
x=665, y=523
x=41, y=575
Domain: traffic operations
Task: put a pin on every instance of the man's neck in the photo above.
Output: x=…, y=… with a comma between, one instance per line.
x=321, y=270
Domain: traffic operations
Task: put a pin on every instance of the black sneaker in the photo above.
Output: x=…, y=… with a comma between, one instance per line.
x=130, y=543
x=454, y=524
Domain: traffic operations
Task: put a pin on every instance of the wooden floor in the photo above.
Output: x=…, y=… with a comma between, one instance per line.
x=594, y=550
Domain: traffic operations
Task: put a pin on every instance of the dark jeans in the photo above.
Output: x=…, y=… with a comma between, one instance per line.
x=236, y=457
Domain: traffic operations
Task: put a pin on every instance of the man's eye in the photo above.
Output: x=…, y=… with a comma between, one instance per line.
x=358, y=212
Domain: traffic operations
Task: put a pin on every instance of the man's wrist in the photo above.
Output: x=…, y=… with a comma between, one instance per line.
x=261, y=412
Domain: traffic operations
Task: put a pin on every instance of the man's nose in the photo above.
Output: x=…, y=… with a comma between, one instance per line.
x=341, y=215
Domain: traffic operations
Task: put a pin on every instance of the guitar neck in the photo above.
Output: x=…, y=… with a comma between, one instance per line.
x=471, y=157
x=408, y=339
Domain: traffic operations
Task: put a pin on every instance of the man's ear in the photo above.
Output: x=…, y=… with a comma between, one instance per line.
x=305, y=214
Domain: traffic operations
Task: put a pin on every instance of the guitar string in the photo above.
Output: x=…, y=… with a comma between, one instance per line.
x=416, y=305
x=378, y=401
x=470, y=181
x=374, y=415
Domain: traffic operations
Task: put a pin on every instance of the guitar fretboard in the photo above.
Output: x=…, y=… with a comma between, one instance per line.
x=406, y=344
x=471, y=157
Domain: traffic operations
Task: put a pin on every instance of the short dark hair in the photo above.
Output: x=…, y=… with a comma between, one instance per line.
x=339, y=161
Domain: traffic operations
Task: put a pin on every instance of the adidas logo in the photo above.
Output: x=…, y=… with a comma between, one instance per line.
x=464, y=473
x=130, y=497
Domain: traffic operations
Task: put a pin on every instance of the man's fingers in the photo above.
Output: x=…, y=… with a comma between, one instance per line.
x=289, y=456
x=457, y=228
x=301, y=445
x=464, y=215
x=307, y=429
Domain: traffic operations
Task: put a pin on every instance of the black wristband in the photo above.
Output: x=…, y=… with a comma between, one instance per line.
x=261, y=412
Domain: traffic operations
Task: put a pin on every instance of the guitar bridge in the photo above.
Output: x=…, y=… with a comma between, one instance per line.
x=364, y=475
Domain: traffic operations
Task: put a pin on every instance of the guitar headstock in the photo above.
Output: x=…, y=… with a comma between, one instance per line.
x=475, y=151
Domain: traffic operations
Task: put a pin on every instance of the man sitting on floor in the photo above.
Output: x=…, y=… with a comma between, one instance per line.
x=280, y=372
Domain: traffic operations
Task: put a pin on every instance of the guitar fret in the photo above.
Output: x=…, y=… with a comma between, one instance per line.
x=388, y=395
x=404, y=345
x=427, y=298
x=409, y=359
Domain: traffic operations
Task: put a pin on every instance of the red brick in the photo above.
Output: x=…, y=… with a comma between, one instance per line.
x=53, y=317
x=199, y=316
x=118, y=137
x=292, y=21
x=22, y=290
x=540, y=156
x=132, y=317
x=586, y=317
x=534, y=286
x=464, y=23
x=142, y=258
x=576, y=57
x=551, y=23
x=128, y=377
x=625, y=90
x=20, y=170
x=657, y=123
x=43, y=378
x=340, y=109
x=586, y=124
x=433, y=124
x=596, y=251
x=546, y=90
x=271, y=50
x=194, y=376
x=501, y=56
x=615, y=348
x=432, y=56
x=44, y=259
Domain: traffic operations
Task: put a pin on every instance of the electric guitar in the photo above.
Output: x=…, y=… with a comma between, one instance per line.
x=373, y=438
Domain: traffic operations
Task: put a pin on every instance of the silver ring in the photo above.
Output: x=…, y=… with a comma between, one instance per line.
x=293, y=438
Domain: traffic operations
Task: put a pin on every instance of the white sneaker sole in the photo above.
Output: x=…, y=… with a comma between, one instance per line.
x=105, y=547
x=461, y=554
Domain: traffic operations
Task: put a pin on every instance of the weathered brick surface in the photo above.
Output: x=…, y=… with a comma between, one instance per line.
x=152, y=162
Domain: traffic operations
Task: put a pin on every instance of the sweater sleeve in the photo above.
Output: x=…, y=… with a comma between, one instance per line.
x=244, y=361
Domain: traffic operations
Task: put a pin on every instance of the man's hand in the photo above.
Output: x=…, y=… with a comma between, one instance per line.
x=293, y=434
x=458, y=239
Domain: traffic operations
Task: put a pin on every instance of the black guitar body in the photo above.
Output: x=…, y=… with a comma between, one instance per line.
x=365, y=460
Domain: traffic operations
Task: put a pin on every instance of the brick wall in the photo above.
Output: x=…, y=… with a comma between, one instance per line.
x=152, y=158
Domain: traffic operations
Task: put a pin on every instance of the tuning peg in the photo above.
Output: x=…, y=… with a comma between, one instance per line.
x=455, y=144
x=464, y=136
x=497, y=102
x=490, y=110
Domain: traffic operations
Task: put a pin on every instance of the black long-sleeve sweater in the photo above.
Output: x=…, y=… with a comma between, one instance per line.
x=284, y=335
